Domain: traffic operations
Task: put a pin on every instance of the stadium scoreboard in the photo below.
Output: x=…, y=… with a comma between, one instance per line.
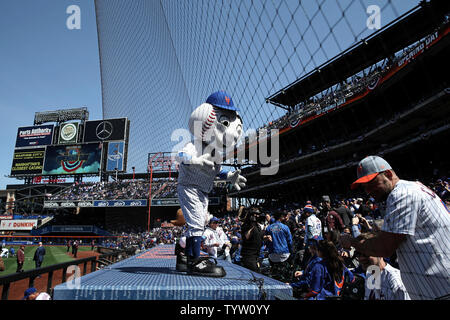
x=70, y=148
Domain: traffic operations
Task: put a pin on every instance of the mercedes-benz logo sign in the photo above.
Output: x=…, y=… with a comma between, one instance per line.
x=104, y=130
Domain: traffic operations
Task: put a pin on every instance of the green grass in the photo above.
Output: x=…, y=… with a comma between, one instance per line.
x=53, y=255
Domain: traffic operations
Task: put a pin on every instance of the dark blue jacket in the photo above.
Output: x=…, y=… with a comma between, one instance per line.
x=305, y=278
x=39, y=254
x=322, y=283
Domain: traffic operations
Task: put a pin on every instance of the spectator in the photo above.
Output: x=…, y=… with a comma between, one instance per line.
x=344, y=212
x=279, y=240
x=33, y=294
x=374, y=212
x=252, y=238
x=20, y=258
x=416, y=226
x=235, y=251
x=302, y=285
x=313, y=228
x=39, y=256
x=216, y=241
x=333, y=219
x=328, y=276
x=75, y=248
x=290, y=222
x=390, y=286
x=2, y=264
x=298, y=218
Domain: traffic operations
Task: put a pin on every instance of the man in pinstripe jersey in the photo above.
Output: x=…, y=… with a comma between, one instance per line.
x=416, y=226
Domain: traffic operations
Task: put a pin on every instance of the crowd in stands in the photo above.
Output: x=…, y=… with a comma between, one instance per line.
x=114, y=190
x=122, y=190
x=344, y=90
x=357, y=217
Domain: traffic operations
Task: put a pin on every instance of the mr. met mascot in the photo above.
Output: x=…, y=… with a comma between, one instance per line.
x=216, y=126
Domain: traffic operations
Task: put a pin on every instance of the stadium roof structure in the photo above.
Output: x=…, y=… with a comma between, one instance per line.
x=408, y=28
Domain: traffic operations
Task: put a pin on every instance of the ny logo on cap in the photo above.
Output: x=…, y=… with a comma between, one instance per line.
x=359, y=169
x=227, y=100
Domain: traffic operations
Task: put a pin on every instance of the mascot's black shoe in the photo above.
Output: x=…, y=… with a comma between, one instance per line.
x=181, y=263
x=203, y=266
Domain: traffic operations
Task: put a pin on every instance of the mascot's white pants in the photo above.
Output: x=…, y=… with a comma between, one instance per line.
x=194, y=204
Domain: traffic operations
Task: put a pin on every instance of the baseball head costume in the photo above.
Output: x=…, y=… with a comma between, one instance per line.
x=217, y=125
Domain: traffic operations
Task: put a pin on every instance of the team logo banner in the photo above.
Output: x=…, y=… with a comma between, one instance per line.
x=68, y=133
x=34, y=136
x=28, y=161
x=105, y=130
x=76, y=159
x=115, y=157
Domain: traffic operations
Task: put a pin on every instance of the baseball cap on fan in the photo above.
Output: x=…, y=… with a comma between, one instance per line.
x=369, y=168
x=221, y=99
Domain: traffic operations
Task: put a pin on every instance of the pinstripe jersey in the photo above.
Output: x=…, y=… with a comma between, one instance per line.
x=195, y=175
x=424, y=258
x=391, y=286
x=313, y=227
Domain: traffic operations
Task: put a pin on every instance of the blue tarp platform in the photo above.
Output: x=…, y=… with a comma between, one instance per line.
x=151, y=275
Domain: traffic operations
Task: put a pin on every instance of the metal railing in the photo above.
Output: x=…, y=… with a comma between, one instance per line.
x=31, y=275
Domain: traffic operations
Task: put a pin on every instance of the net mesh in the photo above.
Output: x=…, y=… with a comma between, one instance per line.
x=161, y=59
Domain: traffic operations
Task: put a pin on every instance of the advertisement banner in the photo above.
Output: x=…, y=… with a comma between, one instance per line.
x=10, y=225
x=34, y=136
x=74, y=159
x=68, y=204
x=174, y=202
x=71, y=229
x=68, y=133
x=28, y=161
x=115, y=157
x=120, y=203
x=105, y=130
x=6, y=217
x=94, y=203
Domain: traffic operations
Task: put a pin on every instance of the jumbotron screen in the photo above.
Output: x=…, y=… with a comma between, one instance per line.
x=73, y=159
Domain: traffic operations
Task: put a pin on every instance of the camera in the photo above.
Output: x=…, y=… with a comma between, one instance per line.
x=251, y=215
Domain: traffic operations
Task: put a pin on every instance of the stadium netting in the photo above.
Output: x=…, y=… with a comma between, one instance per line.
x=283, y=62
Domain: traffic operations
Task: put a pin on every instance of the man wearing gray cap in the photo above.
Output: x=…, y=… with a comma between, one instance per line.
x=416, y=226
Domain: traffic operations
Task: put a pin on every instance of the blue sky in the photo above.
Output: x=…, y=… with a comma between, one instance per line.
x=46, y=66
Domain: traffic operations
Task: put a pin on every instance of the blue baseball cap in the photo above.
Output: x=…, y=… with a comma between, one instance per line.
x=308, y=208
x=221, y=99
x=28, y=293
x=214, y=219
